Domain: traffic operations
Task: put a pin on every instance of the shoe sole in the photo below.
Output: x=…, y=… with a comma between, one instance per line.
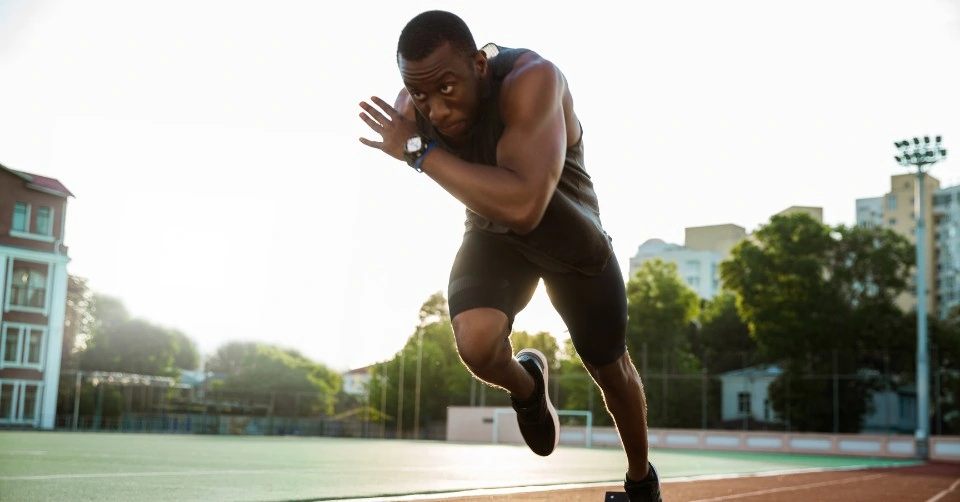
x=546, y=392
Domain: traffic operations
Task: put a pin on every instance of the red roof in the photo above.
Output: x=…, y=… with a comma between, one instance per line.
x=41, y=182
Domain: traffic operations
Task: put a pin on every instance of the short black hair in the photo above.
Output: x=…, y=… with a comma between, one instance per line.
x=429, y=30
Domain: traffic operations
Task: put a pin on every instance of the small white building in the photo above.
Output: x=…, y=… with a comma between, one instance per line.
x=355, y=381
x=745, y=394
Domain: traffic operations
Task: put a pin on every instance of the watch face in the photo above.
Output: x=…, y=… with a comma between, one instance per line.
x=414, y=144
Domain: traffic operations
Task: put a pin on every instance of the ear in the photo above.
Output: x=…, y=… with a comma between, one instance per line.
x=480, y=64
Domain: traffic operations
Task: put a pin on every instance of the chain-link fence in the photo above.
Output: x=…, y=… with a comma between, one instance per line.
x=832, y=392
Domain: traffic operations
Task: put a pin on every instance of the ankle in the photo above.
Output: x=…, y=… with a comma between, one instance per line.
x=638, y=475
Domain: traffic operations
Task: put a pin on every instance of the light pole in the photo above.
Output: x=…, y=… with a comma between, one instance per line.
x=921, y=155
x=383, y=400
x=400, y=398
x=416, y=392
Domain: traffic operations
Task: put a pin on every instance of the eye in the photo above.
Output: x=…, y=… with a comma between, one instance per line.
x=446, y=89
x=417, y=95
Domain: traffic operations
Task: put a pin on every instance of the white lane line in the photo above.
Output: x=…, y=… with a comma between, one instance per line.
x=794, y=488
x=944, y=493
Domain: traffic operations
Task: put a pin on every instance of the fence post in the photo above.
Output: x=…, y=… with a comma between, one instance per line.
x=703, y=399
x=76, y=400
x=836, y=395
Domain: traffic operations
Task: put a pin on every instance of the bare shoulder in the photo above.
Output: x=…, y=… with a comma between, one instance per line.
x=535, y=92
x=532, y=73
x=404, y=104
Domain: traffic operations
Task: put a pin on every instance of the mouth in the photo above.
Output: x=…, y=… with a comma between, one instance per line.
x=452, y=129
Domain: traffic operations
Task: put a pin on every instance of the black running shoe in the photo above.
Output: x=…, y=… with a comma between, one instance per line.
x=645, y=490
x=536, y=416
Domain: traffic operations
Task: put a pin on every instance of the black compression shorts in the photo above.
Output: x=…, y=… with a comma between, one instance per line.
x=490, y=273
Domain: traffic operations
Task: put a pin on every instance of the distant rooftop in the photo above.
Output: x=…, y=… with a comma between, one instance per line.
x=42, y=183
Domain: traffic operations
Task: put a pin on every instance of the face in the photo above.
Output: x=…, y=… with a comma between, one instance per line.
x=445, y=87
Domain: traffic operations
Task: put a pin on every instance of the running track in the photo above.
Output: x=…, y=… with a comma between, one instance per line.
x=922, y=483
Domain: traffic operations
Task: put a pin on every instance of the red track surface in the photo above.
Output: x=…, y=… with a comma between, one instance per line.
x=924, y=483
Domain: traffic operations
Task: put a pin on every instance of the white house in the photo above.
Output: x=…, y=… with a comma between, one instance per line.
x=745, y=394
x=355, y=381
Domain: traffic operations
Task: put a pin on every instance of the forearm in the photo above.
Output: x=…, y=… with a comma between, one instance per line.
x=499, y=194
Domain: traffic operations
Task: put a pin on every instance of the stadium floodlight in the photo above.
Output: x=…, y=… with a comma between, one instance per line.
x=921, y=157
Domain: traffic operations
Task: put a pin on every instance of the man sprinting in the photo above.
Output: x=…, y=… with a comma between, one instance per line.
x=496, y=128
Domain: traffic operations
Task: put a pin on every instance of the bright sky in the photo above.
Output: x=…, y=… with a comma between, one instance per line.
x=220, y=187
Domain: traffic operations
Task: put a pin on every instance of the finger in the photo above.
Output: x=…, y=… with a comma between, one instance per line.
x=375, y=125
x=372, y=144
x=390, y=110
x=375, y=113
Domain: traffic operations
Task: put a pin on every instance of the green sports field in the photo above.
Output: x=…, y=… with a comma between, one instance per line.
x=66, y=466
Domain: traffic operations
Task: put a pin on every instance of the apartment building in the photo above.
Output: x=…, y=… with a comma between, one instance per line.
x=33, y=275
x=945, y=233
x=698, y=260
x=704, y=248
x=897, y=210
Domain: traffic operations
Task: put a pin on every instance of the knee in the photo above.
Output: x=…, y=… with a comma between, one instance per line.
x=481, y=336
x=616, y=376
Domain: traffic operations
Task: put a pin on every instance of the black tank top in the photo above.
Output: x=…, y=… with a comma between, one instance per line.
x=570, y=236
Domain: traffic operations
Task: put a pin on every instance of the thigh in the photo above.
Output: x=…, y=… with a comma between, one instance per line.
x=489, y=273
x=594, y=308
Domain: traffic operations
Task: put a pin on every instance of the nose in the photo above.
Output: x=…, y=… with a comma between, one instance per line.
x=439, y=110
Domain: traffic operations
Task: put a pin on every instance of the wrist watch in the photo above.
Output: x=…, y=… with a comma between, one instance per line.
x=414, y=150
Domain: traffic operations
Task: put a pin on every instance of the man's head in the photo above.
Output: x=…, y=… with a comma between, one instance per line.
x=427, y=31
x=442, y=69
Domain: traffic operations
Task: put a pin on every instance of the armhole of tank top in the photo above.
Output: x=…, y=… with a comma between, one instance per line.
x=579, y=141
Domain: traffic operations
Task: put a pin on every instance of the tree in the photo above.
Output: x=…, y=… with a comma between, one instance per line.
x=108, y=312
x=444, y=380
x=133, y=346
x=944, y=373
x=811, y=296
x=78, y=321
x=187, y=355
x=230, y=358
x=434, y=310
x=661, y=309
x=542, y=341
x=724, y=339
x=275, y=375
x=119, y=343
x=577, y=390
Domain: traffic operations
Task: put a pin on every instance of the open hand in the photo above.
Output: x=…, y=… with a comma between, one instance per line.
x=390, y=124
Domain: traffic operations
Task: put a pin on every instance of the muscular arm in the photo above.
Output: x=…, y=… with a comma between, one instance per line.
x=530, y=153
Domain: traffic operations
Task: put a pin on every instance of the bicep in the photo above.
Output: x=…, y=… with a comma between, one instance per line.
x=533, y=143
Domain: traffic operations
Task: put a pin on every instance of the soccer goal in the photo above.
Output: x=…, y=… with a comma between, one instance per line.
x=569, y=434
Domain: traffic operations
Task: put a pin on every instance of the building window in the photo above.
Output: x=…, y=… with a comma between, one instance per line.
x=28, y=410
x=6, y=401
x=22, y=346
x=19, y=401
x=44, y=224
x=28, y=288
x=743, y=403
x=21, y=215
x=891, y=202
x=892, y=222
